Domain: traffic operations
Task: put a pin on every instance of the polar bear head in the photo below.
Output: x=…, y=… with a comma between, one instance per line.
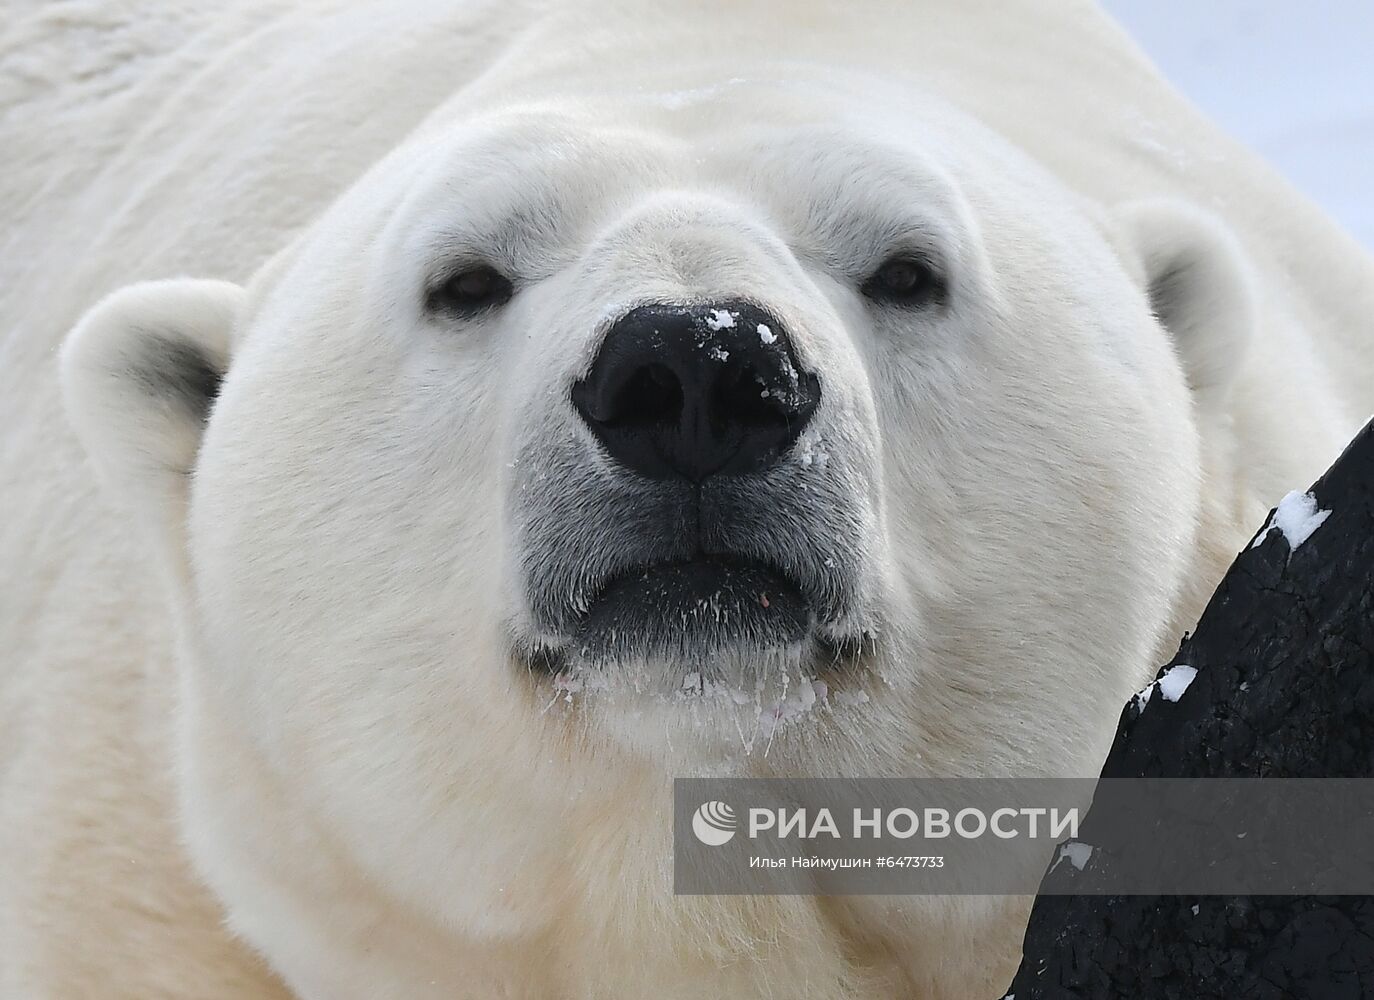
x=750, y=435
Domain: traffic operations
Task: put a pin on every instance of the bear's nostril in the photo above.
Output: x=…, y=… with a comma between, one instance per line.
x=651, y=395
x=743, y=397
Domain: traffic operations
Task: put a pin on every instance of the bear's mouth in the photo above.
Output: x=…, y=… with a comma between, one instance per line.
x=692, y=612
x=692, y=608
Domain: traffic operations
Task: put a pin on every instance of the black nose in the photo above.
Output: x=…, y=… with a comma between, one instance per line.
x=692, y=391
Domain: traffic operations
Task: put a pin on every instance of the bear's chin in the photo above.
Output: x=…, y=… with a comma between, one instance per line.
x=734, y=705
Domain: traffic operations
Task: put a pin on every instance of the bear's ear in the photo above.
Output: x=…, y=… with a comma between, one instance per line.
x=1199, y=287
x=140, y=373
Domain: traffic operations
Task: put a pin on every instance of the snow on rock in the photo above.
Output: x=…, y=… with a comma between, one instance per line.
x=1171, y=684
x=1076, y=852
x=1297, y=517
x=1175, y=681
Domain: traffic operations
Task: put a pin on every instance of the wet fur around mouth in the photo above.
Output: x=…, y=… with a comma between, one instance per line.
x=692, y=609
x=691, y=612
x=582, y=526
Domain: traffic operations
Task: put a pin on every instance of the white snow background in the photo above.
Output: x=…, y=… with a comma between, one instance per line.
x=1292, y=79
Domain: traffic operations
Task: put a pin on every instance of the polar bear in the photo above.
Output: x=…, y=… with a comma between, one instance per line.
x=943, y=347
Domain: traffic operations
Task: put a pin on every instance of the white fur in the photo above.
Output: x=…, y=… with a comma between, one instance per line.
x=264, y=680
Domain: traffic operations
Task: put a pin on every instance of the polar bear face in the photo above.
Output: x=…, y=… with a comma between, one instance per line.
x=841, y=443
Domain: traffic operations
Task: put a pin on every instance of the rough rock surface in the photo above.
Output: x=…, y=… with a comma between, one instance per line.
x=1284, y=689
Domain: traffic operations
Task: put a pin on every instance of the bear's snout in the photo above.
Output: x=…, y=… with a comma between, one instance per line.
x=694, y=391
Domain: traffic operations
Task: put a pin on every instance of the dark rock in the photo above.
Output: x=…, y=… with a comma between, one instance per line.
x=1284, y=689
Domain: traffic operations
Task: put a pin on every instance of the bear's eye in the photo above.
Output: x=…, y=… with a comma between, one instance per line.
x=472, y=290
x=906, y=281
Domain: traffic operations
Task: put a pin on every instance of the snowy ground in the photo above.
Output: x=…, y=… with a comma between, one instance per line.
x=1294, y=80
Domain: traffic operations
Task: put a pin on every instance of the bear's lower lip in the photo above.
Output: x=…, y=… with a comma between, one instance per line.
x=686, y=611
